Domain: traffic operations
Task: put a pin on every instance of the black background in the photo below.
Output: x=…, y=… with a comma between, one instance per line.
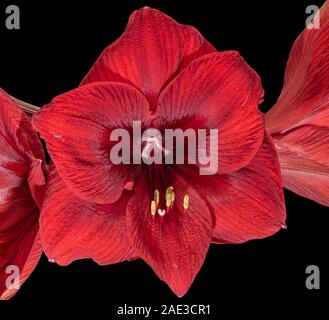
x=57, y=44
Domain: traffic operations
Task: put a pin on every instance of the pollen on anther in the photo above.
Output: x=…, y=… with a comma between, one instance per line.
x=170, y=189
x=156, y=196
x=168, y=200
x=170, y=196
x=153, y=208
x=186, y=201
x=173, y=196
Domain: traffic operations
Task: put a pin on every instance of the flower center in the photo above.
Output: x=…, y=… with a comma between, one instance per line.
x=152, y=144
x=169, y=202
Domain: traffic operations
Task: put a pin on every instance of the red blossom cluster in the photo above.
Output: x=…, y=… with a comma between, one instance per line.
x=165, y=75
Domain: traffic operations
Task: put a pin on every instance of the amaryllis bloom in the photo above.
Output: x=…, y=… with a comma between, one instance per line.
x=22, y=186
x=165, y=75
x=299, y=122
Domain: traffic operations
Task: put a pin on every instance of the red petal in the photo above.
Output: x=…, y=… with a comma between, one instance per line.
x=175, y=245
x=21, y=151
x=22, y=185
x=219, y=91
x=249, y=203
x=74, y=229
x=311, y=185
x=304, y=159
x=252, y=202
x=152, y=49
x=26, y=264
x=18, y=235
x=306, y=84
x=299, y=122
x=77, y=127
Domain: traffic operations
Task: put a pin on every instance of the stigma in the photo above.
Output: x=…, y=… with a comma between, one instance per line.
x=169, y=200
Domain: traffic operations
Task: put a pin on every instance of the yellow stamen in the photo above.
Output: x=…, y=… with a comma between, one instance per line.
x=153, y=208
x=156, y=196
x=170, y=196
x=186, y=201
x=168, y=199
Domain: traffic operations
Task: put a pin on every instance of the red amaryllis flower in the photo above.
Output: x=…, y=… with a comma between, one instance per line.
x=299, y=122
x=22, y=186
x=167, y=76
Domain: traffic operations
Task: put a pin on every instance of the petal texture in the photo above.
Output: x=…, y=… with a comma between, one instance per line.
x=218, y=91
x=304, y=159
x=22, y=184
x=77, y=128
x=248, y=204
x=175, y=245
x=306, y=83
x=299, y=122
x=73, y=229
x=152, y=50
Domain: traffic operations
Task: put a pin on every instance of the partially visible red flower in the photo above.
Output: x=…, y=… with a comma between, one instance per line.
x=299, y=122
x=22, y=186
x=165, y=75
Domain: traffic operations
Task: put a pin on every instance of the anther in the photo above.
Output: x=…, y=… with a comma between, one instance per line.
x=153, y=208
x=173, y=196
x=168, y=200
x=170, y=196
x=186, y=201
x=170, y=189
x=156, y=196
